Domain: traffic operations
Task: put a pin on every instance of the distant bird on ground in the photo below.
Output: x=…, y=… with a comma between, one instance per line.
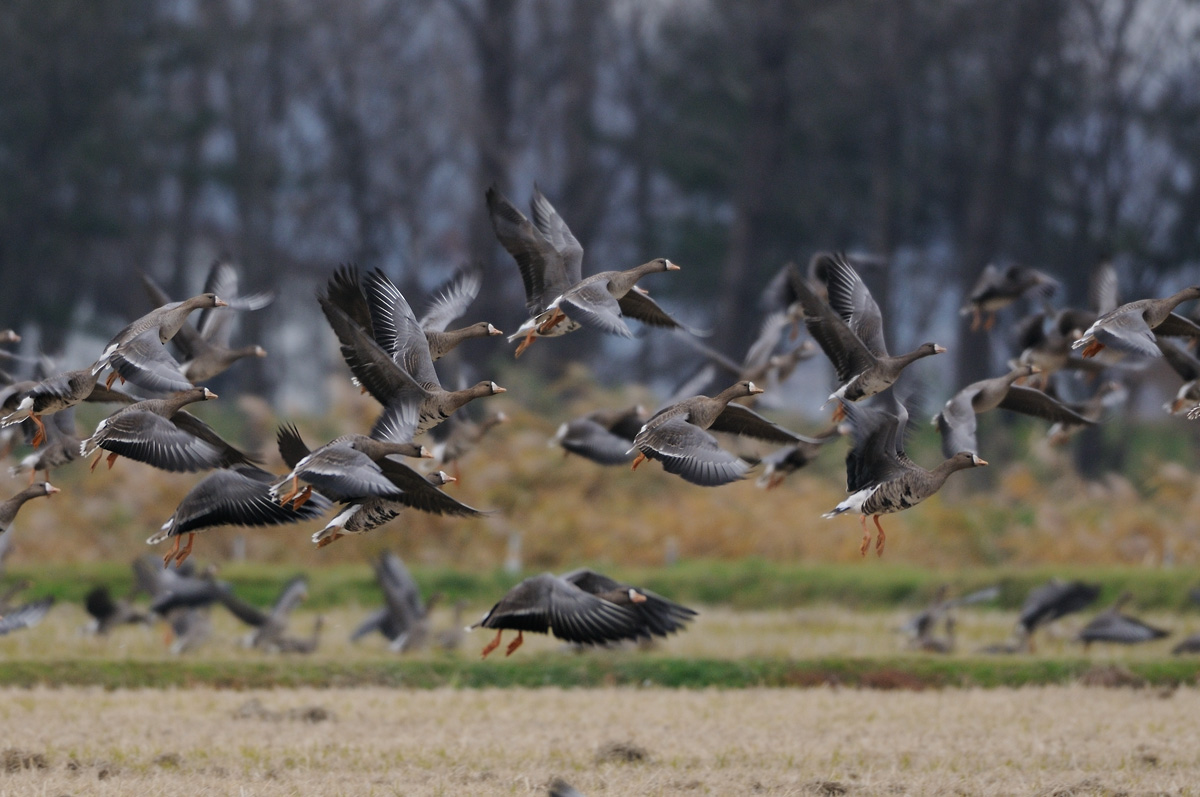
x=1051, y=601
x=404, y=618
x=1131, y=327
x=138, y=353
x=270, y=627
x=1113, y=626
x=558, y=297
x=678, y=436
x=922, y=628
x=956, y=421
x=206, y=347
x=560, y=788
x=997, y=288
x=880, y=477
x=25, y=616
x=603, y=436
x=1190, y=644
x=849, y=329
x=237, y=496
x=160, y=433
x=393, y=365
x=583, y=607
x=10, y=508
x=107, y=612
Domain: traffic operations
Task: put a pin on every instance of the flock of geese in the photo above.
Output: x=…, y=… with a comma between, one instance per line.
x=161, y=357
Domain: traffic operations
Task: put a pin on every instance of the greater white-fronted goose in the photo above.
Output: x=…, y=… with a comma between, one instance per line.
x=679, y=437
x=26, y=616
x=880, y=477
x=584, y=607
x=236, y=496
x=448, y=303
x=404, y=618
x=850, y=331
x=397, y=369
x=1113, y=626
x=603, y=436
x=1131, y=327
x=57, y=393
x=137, y=353
x=206, y=347
x=997, y=288
x=10, y=508
x=416, y=492
x=459, y=435
x=271, y=625
x=557, y=296
x=922, y=629
x=1051, y=601
x=956, y=421
x=160, y=433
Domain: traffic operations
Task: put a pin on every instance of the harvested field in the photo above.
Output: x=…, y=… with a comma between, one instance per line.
x=1059, y=740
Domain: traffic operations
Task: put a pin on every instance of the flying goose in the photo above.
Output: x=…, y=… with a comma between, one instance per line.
x=849, y=329
x=54, y=394
x=1130, y=328
x=583, y=607
x=603, y=436
x=997, y=288
x=10, y=508
x=678, y=436
x=880, y=477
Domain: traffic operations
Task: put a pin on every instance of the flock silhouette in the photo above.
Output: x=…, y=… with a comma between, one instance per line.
x=160, y=358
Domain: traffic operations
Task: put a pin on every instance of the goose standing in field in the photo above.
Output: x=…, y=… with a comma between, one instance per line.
x=108, y=612
x=584, y=607
x=10, y=508
x=849, y=329
x=922, y=628
x=678, y=436
x=390, y=357
x=880, y=477
x=1113, y=626
x=603, y=436
x=206, y=347
x=1051, y=601
x=160, y=433
x=138, y=353
x=1131, y=327
x=235, y=496
x=558, y=297
x=997, y=288
x=956, y=421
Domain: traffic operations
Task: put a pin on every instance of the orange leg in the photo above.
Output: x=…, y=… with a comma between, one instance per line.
x=516, y=643
x=550, y=323
x=96, y=461
x=1092, y=349
x=457, y=474
x=839, y=413
x=495, y=643
x=866, y=541
x=111, y=378
x=187, y=550
x=975, y=319
x=526, y=343
x=302, y=499
x=39, y=436
x=283, y=499
x=111, y=459
x=991, y=322
x=775, y=480
x=640, y=459
x=332, y=538
x=171, y=553
x=878, y=540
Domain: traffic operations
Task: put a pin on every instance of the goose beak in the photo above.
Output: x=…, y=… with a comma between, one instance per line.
x=671, y=266
x=493, y=331
x=1033, y=369
x=754, y=389
x=208, y=394
x=975, y=459
x=636, y=596
x=447, y=478
x=259, y=351
x=939, y=349
x=425, y=453
x=51, y=489
x=497, y=389
x=219, y=302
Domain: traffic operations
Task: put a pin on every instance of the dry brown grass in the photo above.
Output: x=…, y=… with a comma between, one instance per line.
x=1061, y=740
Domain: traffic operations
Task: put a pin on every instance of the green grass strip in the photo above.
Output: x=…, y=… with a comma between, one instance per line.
x=909, y=673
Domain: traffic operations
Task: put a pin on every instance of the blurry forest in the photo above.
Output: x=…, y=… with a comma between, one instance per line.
x=731, y=136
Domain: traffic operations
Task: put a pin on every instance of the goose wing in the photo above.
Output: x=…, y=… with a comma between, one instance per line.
x=690, y=452
x=543, y=270
x=556, y=231
x=1029, y=401
x=145, y=361
x=849, y=297
x=150, y=438
x=849, y=355
x=1127, y=332
x=957, y=424
x=744, y=421
x=397, y=330
x=420, y=494
x=236, y=497
x=451, y=300
x=591, y=440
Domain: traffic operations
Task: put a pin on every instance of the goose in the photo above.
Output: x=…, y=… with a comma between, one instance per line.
x=1051, y=601
x=880, y=477
x=205, y=347
x=61, y=447
x=270, y=626
x=603, y=436
x=1113, y=626
x=160, y=433
x=449, y=302
x=760, y=364
x=849, y=329
x=10, y=508
x=1130, y=328
x=459, y=435
x=403, y=619
x=997, y=288
x=584, y=607
x=57, y=393
x=678, y=436
x=558, y=297
x=956, y=421
x=107, y=612
x=235, y=496
x=137, y=353
x=397, y=369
